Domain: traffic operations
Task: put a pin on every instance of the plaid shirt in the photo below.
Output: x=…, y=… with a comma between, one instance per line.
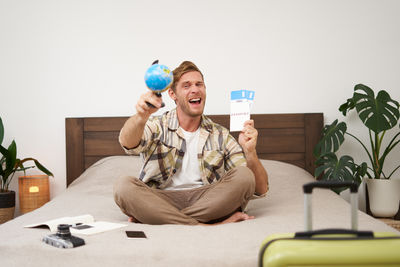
x=163, y=146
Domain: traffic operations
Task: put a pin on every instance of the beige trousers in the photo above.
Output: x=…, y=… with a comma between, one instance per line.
x=204, y=204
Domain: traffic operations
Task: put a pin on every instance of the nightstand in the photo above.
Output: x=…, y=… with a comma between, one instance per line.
x=393, y=223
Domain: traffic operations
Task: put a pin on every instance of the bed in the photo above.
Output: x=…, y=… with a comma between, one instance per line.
x=95, y=159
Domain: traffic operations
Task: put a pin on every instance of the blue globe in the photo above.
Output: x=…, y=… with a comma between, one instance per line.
x=158, y=78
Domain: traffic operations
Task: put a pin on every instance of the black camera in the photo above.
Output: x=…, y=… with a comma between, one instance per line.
x=63, y=238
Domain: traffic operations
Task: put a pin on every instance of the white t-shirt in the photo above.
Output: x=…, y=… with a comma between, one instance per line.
x=189, y=175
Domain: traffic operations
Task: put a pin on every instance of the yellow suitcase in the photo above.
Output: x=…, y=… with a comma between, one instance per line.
x=330, y=247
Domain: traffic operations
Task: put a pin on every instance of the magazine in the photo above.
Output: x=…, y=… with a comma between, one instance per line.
x=83, y=224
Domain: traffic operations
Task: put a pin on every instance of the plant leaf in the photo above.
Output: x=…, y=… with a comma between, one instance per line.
x=1, y=131
x=11, y=157
x=38, y=165
x=2, y=159
x=334, y=169
x=345, y=107
x=3, y=151
x=332, y=138
x=42, y=168
x=360, y=172
x=378, y=114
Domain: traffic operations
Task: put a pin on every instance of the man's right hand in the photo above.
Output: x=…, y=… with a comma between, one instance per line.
x=132, y=131
x=143, y=109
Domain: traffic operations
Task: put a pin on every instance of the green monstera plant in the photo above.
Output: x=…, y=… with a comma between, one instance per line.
x=379, y=114
x=9, y=163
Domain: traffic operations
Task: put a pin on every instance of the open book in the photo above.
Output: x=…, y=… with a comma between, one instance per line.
x=83, y=224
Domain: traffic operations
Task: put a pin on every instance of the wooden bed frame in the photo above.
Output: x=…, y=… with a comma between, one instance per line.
x=284, y=137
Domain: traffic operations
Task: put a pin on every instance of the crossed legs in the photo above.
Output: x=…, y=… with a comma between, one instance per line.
x=200, y=205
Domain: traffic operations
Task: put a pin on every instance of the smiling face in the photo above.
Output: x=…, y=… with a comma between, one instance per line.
x=189, y=95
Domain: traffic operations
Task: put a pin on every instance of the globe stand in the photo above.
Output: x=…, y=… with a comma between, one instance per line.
x=152, y=106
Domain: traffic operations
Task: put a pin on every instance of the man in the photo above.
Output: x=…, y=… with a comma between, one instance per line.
x=194, y=171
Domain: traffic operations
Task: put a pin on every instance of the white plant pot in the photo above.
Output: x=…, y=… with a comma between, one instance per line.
x=384, y=196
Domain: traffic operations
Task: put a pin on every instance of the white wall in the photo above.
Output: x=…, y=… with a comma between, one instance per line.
x=87, y=58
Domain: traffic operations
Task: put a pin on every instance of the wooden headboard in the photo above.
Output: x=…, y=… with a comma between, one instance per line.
x=284, y=137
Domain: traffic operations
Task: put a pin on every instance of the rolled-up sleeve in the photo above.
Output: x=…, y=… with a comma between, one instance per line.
x=150, y=133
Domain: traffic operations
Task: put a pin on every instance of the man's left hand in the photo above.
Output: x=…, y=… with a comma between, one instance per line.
x=248, y=137
x=248, y=141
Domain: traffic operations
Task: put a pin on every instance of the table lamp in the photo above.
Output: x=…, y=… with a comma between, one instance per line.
x=33, y=192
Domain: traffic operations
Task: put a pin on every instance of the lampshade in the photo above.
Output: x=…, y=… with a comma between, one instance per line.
x=33, y=192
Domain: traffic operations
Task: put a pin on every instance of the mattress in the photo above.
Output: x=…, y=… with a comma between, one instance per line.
x=235, y=244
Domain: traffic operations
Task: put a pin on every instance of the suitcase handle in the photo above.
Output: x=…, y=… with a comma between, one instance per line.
x=307, y=188
x=310, y=234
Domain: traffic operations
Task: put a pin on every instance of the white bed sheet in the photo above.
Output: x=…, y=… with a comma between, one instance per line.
x=235, y=244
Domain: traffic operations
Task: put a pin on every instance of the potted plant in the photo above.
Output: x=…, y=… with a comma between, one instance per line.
x=9, y=164
x=379, y=114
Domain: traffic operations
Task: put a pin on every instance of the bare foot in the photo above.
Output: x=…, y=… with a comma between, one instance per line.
x=133, y=220
x=236, y=217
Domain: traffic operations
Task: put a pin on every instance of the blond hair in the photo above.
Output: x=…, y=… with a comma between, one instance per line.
x=184, y=67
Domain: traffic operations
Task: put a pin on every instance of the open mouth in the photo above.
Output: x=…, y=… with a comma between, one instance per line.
x=195, y=101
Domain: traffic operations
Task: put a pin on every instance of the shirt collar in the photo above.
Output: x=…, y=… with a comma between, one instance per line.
x=172, y=119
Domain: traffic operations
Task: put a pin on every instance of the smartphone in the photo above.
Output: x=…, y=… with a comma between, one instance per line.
x=82, y=227
x=135, y=234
